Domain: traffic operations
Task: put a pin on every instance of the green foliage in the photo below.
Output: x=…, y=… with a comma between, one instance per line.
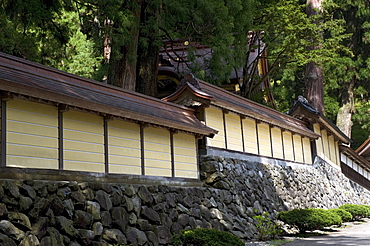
x=357, y=211
x=309, y=219
x=266, y=227
x=345, y=215
x=206, y=237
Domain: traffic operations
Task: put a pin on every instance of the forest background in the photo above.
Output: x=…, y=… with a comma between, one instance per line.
x=118, y=41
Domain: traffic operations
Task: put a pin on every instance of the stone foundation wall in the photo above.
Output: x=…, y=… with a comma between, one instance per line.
x=93, y=213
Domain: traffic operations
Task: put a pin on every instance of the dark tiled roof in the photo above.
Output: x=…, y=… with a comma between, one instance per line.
x=238, y=104
x=38, y=81
x=301, y=106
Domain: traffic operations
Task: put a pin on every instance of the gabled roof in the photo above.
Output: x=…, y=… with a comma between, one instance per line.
x=364, y=149
x=303, y=110
x=26, y=78
x=231, y=102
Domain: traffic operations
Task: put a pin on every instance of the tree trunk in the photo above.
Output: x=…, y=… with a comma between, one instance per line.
x=147, y=71
x=314, y=80
x=344, y=117
x=147, y=68
x=122, y=69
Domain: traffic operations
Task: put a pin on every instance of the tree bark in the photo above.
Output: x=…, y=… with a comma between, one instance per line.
x=147, y=68
x=314, y=80
x=122, y=69
x=344, y=117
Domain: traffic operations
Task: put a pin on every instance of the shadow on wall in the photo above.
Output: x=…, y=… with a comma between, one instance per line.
x=108, y=213
x=260, y=187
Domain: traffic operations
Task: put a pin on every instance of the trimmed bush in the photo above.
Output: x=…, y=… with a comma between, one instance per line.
x=357, y=211
x=309, y=219
x=206, y=237
x=345, y=215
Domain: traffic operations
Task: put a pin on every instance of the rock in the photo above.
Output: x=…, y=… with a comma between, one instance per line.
x=51, y=217
x=6, y=241
x=130, y=190
x=66, y=226
x=28, y=191
x=68, y=208
x=144, y=225
x=222, y=185
x=39, y=228
x=164, y=234
x=209, y=166
x=114, y=236
x=40, y=206
x=106, y=219
x=56, y=204
x=215, y=213
x=104, y=200
x=78, y=198
x=2, y=192
x=20, y=220
x=82, y=219
x=152, y=238
x=74, y=244
x=170, y=200
x=132, y=219
x=136, y=201
x=86, y=236
x=24, y=203
x=117, y=197
x=135, y=236
x=183, y=219
x=55, y=238
x=98, y=228
x=120, y=218
x=64, y=192
x=176, y=227
x=145, y=195
x=3, y=210
x=94, y=209
x=150, y=214
x=129, y=205
x=30, y=240
x=12, y=189
x=88, y=193
x=52, y=187
x=10, y=230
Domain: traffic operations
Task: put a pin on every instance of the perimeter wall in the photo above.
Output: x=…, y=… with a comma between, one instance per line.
x=98, y=213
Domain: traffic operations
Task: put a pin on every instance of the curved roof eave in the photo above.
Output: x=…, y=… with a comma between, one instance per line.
x=35, y=80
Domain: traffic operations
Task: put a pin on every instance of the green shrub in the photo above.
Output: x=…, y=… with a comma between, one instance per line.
x=357, y=211
x=345, y=215
x=309, y=219
x=334, y=217
x=206, y=237
x=266, y=228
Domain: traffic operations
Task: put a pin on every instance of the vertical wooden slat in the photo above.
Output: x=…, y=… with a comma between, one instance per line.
x=106, y=145
x=142, y=144
x=225, y=130
x=172, y=155
x=242, y=131
x=257, y=137
x=60, y=139
x=282, y=143
x=3, y=133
